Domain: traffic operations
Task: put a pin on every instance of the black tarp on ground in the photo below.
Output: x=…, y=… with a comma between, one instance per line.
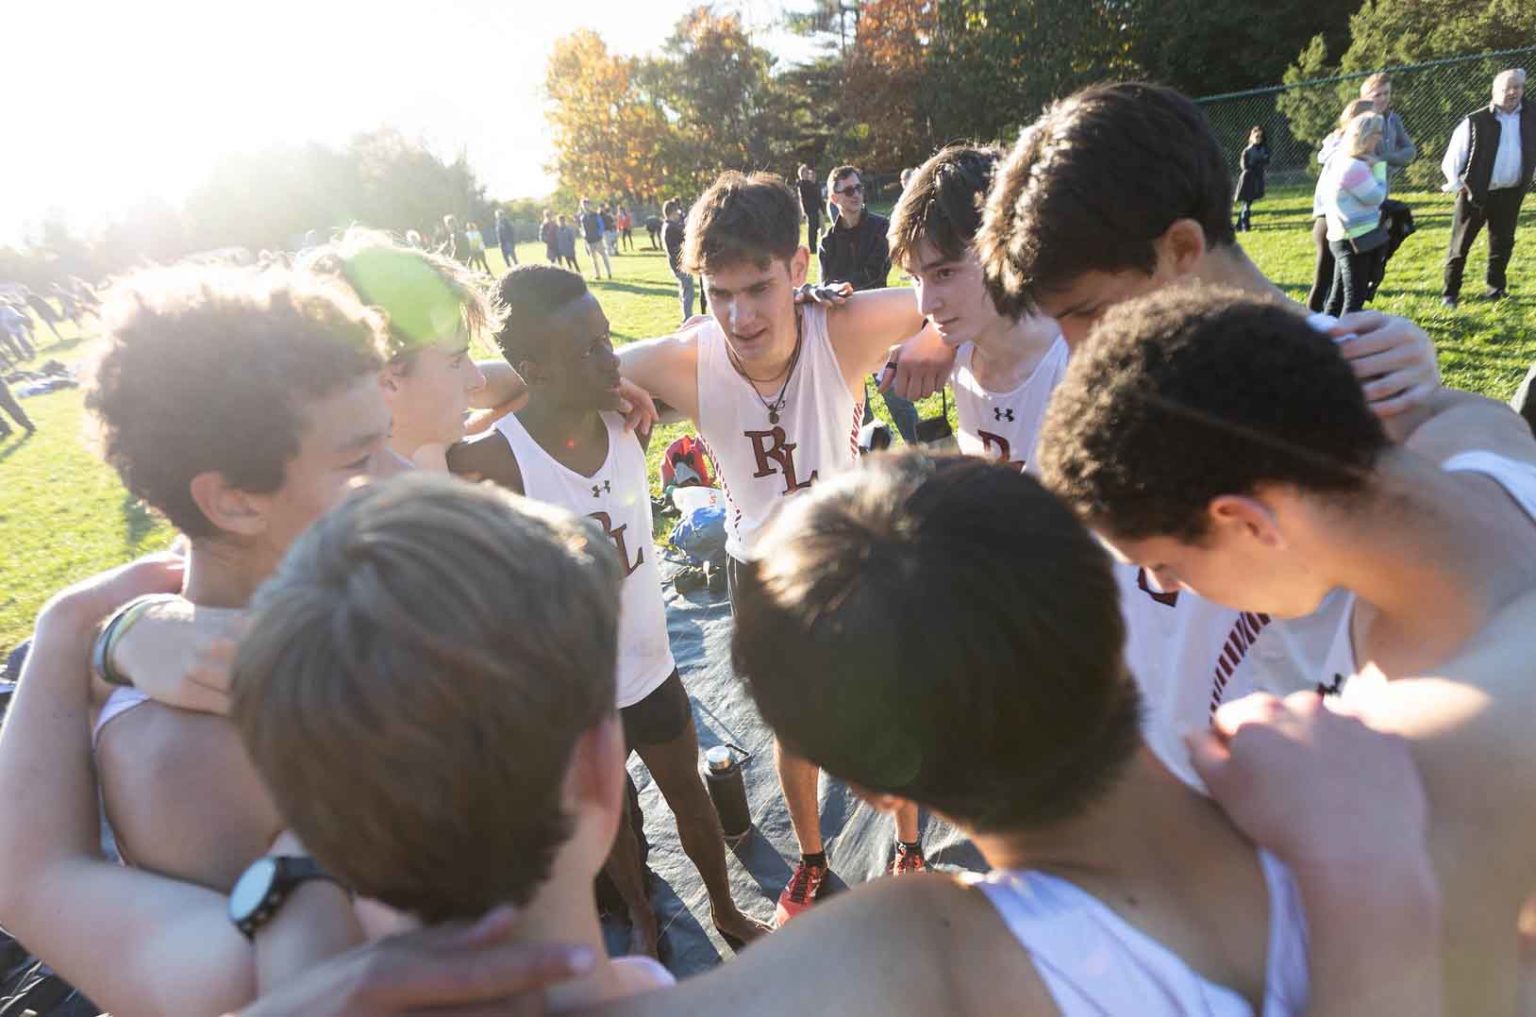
x=858, y=839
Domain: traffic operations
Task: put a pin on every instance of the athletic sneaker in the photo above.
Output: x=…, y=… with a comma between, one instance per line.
x=905, y=863
x=802, y=891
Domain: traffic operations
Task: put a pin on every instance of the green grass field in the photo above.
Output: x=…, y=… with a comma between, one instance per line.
x=63, y=515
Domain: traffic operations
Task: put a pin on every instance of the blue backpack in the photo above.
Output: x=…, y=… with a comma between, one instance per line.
x=700, y=534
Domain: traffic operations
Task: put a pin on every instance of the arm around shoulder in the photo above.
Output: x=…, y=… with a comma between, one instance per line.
x=667, y=368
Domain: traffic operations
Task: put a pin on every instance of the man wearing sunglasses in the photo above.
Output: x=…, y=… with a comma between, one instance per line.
x=855, y=250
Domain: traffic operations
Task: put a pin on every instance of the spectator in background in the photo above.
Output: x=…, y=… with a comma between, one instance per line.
x=566, y=234
x=549, y=233
x=13, y=334
x=672, y=237
x=809, y=192
x=1397, y=149
x=906, y=177
x=9, y=404
x=1250, y=182
x=476, y=243
x=855, y=250
x=1354, y=185
x=43, y=310
x=1489, y=165
x=592, y=232
x=653, y=230
x=626, y=229
x=610, y=232
x=506, y=238
x=1322, y=274
x=412, y=240
x=456, y=241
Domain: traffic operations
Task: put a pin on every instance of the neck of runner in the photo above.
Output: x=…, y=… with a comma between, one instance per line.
x=561, y=429
x=771, y=386
x=1230, y=266
x=223, y=574
x=1149, y=835
x=1008, y=351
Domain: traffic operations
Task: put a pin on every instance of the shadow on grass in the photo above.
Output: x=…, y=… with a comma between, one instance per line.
x=647, y=289
x=139, y=522
x=13, y=443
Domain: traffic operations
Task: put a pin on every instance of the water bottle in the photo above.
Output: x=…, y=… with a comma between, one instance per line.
x=728, y=791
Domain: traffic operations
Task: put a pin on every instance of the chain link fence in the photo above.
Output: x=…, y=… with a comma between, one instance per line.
x=1431, y=98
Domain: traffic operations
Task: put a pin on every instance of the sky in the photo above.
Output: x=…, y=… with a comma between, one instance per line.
x=110, y=103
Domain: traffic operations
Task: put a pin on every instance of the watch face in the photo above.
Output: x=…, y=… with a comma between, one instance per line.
x=252, y=889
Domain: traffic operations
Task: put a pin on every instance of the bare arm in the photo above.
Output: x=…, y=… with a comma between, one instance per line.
x=667, y=368
x=486, y=457
x=135, y=943
x=315, y=923
x=866, y=331
x=463, y=969
x=503, y=388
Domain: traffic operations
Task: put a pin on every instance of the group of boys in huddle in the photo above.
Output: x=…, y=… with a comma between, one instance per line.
x=1212, y=643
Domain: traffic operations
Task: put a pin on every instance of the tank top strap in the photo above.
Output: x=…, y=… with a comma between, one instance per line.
x=818, y=355
x=1094, y=962
x=119, y=701
x=1516, y=477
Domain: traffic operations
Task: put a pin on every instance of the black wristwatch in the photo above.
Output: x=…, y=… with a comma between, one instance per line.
x=265, y=885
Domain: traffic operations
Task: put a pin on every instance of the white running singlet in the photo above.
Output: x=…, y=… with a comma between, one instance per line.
x=1005, y=425
x=759, y=462
x=1095, y=963
x=618, y=498
x=1518, y=479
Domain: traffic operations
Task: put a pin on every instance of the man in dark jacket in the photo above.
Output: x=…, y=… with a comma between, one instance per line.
x=506, y=238
x=1489, y=164
x=855, y=250
x=591, y=223
x=672, y=235
x=809, y=192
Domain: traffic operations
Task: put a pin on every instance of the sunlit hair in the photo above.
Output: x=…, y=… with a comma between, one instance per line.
x=1094, y=183
x=213, y=370
x=1352, y=109
x=942, y=203
x=1361, y=135
x=426, y=298
x=1190, y=394
x=1381, y=79
x=741, y=219
x=413, y=683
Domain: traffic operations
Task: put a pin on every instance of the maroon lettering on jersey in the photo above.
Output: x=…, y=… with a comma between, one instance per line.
x=1168, y=599
x=999, y=448
x=771, y=448
x=604, y=520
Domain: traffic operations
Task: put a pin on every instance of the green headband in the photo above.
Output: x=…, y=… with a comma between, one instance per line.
x=423, y=308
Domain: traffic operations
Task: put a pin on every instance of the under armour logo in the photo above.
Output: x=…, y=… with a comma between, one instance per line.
x=998, y=413
x=598, y=490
